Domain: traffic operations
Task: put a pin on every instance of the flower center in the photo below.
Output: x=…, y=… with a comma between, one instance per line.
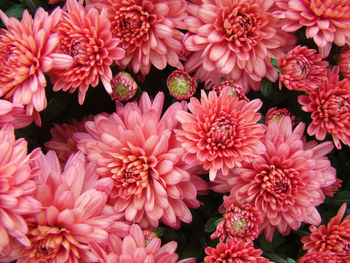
x=301, y=68
x=336, y=106
x=130, y=176
x=131, y=24
x=239, y=224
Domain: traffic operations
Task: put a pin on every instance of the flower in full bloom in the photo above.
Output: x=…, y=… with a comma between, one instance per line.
x=181, y=85
x=136, y=248
x=13, y=114
x=241, y=222
x=301, y=69
x=235, y=89
x=320, y=257
x=28, y=50
x=147, y=30
x=221, y=132
x=87, y=37
x=344, y=61
x=137, y=148
x=285, y=183
x=17, y=187
x=62, y=141
x=234, y=251
x=124, y=87
x=326, y=21
x=333, y=238
x=330, y=108
x=275, y=115
x=234, y=40
x=74, y=212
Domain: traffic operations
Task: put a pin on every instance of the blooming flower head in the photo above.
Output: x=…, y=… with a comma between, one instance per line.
x=137, y=149
x=124, y=87
x=344, y=62
x=320, y=257
x=330, y=108
x=235, y=89
x=28, y=50
x=181, y=85
x=86, y=36
x=241, y=222
x=326, y=22
x=147, y=30
x=62, y=141
x=285, y=183
x=234, y=251
x=74, y=212
x=134, y=248
x=220, y=132
x=333, y=238
x=301, y=69
x=16, y=188
x=222, y=47
x=275, y=115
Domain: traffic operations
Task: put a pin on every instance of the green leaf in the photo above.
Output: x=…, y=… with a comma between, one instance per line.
x=15, y=11
x=159, y=231
x=266, y=87
x=343, y=196
x=274, y=62
x=211, y=224
x=222, y=79
x=290, y=260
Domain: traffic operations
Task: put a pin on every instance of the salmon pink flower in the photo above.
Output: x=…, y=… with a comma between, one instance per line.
x=241, y=222
x=28, y=50
x=301, y=69
x=344, y=62
x=16, y=188
x=330, y=108
x=275, y=115
x=234, y=40
x=326, y=21
x=148, y=31
x=221, y=132
x=233, y=251
x=137, y=149
x=87, y=37
x=13, y=114
x=235, y=89
x=320, y=257
x=285, y=183
x=136, y=248
x=74, y=212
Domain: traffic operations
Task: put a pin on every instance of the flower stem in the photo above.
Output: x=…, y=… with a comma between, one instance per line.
x=275, y=258
x=31, y=5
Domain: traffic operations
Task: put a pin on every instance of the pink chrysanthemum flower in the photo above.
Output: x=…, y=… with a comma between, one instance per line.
x=137, y=148
x=344, y=62
x=284, y=184
x=320, y=257
x=234, y=251
x=62, y=141
x=326, y=21
x=333, y=238
x=235, y=40
x=275, y=115
x=241, y=222
x=301, y=69
x=28, y=50
x=235, y=89
x=16, y=188
x=13, y=114
x=74, y=212
x=221, y=132
x=147, y=30
x=330, y=108
x=124, y=87
x=136, y=248
x=87, y=37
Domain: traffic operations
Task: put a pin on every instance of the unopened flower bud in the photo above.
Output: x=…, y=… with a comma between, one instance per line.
x=124, y=87
x=181, y=85
x=275, y=115
x=235, y=89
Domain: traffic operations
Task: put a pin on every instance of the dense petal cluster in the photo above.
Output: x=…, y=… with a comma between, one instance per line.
x=344, y=61
x=320, y=257
x=326, y=21
x=235, y=40
x=13, y=114
x=235, y=89
x=284, y=184
x=147, y=30
x=124, y=87
x=241, y=222
x=333, y=238
x=87, y=37
x=301, y=69
x=135, y=247
x=28, y=50
x=16, y=188
x=137, y=149
x=330, y=108
x=232, y=251
x=221, y=131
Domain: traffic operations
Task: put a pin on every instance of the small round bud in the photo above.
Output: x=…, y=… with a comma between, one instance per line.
x=124, y=87
x=181, y=85
x=235, y=89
